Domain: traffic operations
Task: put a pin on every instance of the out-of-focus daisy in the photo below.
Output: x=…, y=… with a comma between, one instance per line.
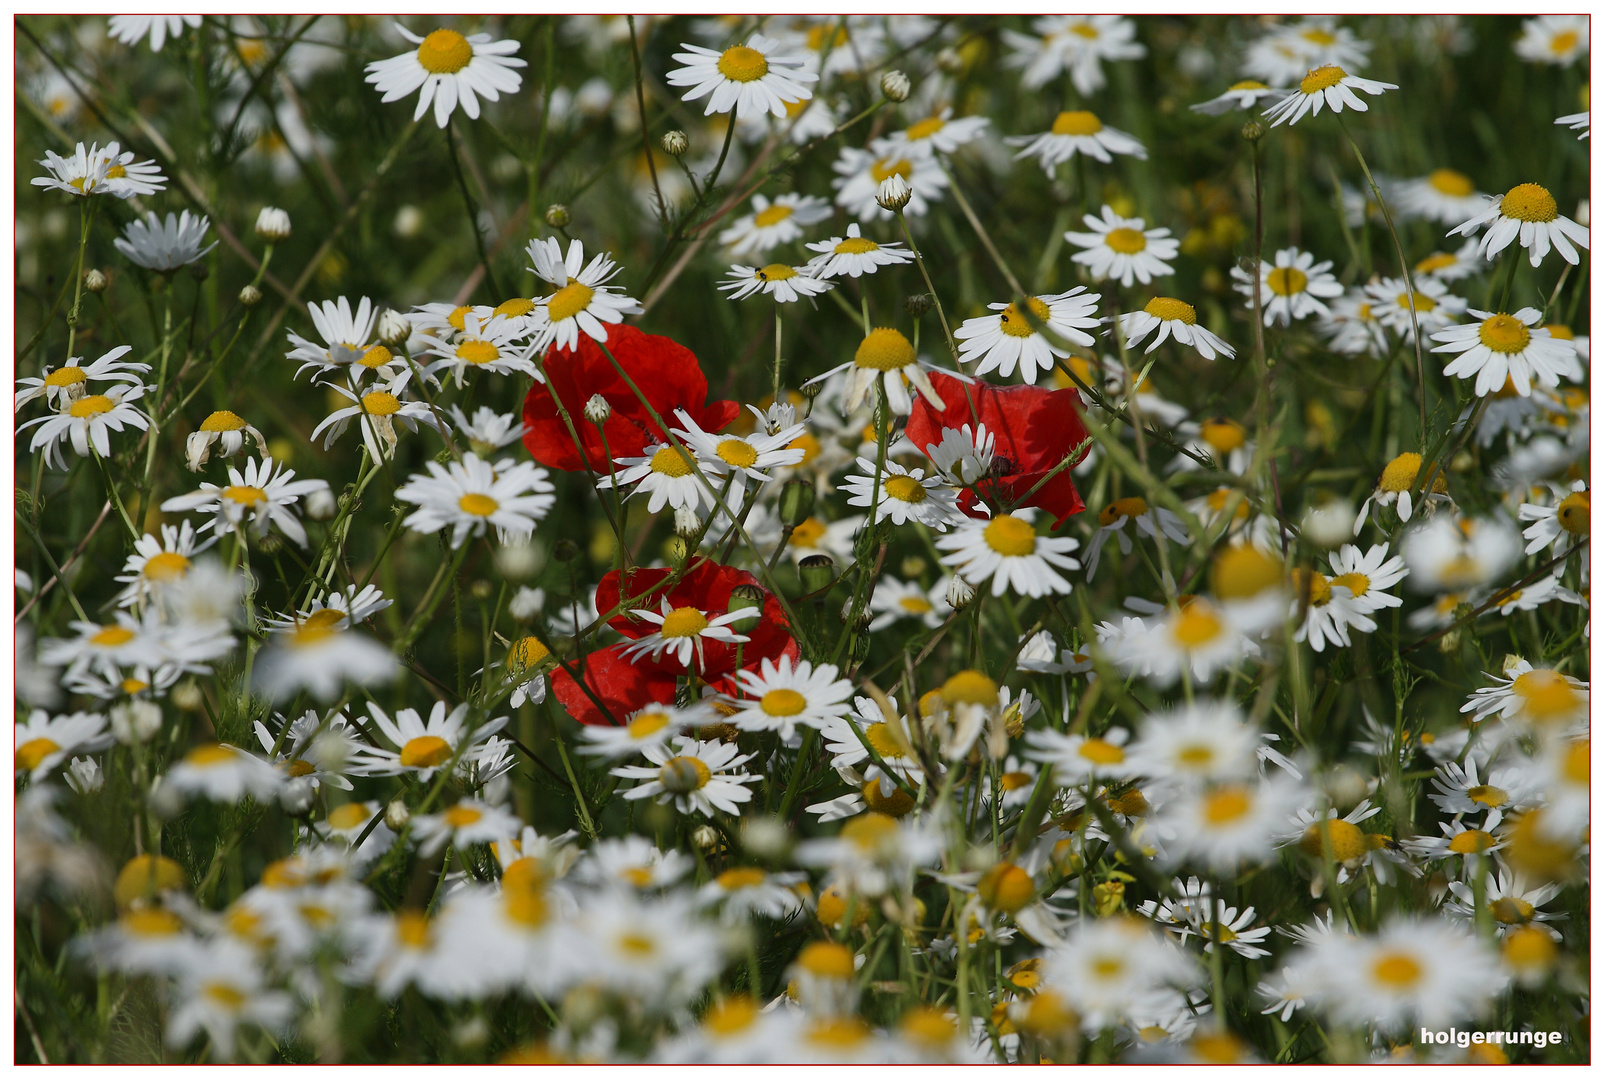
x=682, y=630
x=1290, y=288
x=1553, y=39
x=346, y=335
x=131, y=29
x=1451, y=266
x=1077, y=43
x=1442, y=195
x=1240, y=95
x=165, y=246
x=693, y=776
x=1542, y=698
x=222, y=773
x=470, y=494
x=779, y=696
x=158, y=563
x=1561, y=525
x=316, y=657
x=1450, y=555
x=263, y=495
x=1502, y=345
x=1152, y=521
x=904, y=495
x=417, y=747
x=1285, y=52
x=1218, y=437
x=1526, y=213
x=1198, y=637
x=583, y=300
x=86, y=423
x=1575, y=121
x=64, y=385
x=1227, y=824
x=100, y=171
x=886, y=357
x=1072, y=133
x=468, y=822
x=1435, y=308
x=1328, y=85
x=43, y=742
x=377, y=413
x=747, y=891
x=751, y=79
x=774, y=223
x=1394, y=486
x=860, y=173
x=339, y=610
x=489, y=430
x=1107, y=969
x=894, y=600
x=1003, y=340
x=784, y=283
x=1174, y=319
x=309, y=749
x=1119, y=247
x=1351, y=325
x=1078, y=759
x=854, y=255
x=449, y=69
x=633, y=862
x=1008, y=551
x=222, y=429
x=1511, y=899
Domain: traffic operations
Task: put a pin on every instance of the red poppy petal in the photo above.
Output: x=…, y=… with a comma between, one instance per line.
x=621, y=685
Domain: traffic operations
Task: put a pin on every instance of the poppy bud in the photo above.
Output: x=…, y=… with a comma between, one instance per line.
x=746, y=598
x=796, y=502
x=817, y=572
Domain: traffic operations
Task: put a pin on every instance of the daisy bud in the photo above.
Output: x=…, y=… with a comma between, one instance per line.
x=959, y=593
x=812, y=390
x=520, y=562
x=397, y=815
x=1253, y=131
x=320, y=505
x=250, y=296
x=565, y=550
x=95, y=281
x=198, y=271
x=746, y=598
x=394, y=328
x=705, y=838
x=918, y=305
x=479, y=589
x=557, y=215
x=686, y=522
x=674, y=142
x=187, y=696
x=471, y=1033
x=949, y=61
x=84, y=775
x=272, y=225
x=817, y=573
x=597, y=410
x=895, y=85
x=796, y=502
x=893, y=194
x=912, y=567
x=135, y=722
x=1581, y=217
x=847, y=616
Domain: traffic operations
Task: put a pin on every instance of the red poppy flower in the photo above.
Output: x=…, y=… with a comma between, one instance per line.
x=622, y=685
x=1034, y=429
x=667, y=374
x=706, y=588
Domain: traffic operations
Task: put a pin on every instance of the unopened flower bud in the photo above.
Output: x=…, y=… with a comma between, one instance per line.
x=674, y=142
x=397, y=815
x=565, y=550
x=272, y=225
x=198, y=271
x=187, y=696
x=817, y=572
x=812, y=390
x=913, y=566
x=271, y=544
x=959, y=593
x=686, y=522
x=250, y=296
x=893, y=194
x=84, y=775
x=918, y=305
x=394, y=328
x=597, y=410
x=764, y=837
x=557, y=215
x=479, y=589
x=895, y=85
x=1253, y=131
x=796, y=502
x=949, y=61
x=320, y=505
x=135, y=722
x=95, y=281
x=747, y=597
x=705, y=838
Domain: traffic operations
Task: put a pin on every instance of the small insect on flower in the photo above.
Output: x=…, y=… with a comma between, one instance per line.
x=264, y=494
x=471, y=494
x=1328, y=85
x=1072, y=133
x=583, y=302
x=693, y=776
x=1119, y=247
x=449, y=69
x=773, y=223
x=1008, y=550
x=785, y=283
x=1526, y=213
x=1008, y=338
x=1501, y=345
x=1290, y=288
x=750, y=79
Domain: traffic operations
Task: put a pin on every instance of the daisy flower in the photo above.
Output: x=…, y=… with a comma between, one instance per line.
x=1191, y=912
x=903, y=495
x=682, y=630
x=654, y=726
x=1219, y=437
x=467, y=823
x=1108, y=969
x=665, y=474
x=316, y=657
x=156, y=564
x=1543, y=698
x=632, y=861
x=773, y=223
x=165, y=247
x=1512, y=900
x=1459, y=790
x=1456, y=555
x=1367, y=576
x=654, y=952
x=377, y=413
x=337, y=611
x=66, y=384
x=1451, y=266
x=1075, y=133
x=745, y=892
x=779, y=696
x=1435, y=308
x=1077, y=43
x=1008, y=550
x=1526, y=213
x=470, y=494
x=1080, y=759
x=1003, y=340
x=1200, y=744
x=583, y=301
x=963, y=456
x=1291, y=288
x=1500, y=346
x=885, y=357
x=130, y=29
x=1394, y=486
x=264, y=494
x=1442, y=195
x=1328, y=611
x=45, y=741
x=860, y=173
x=310, y=749
x=1530, y=598
x=1153, y=521
x=346, y=337
x=1575, y=121
x=485, y=344
x=1563, y=524
x=420, y=748
x=1173, y=319
x=99, y=171
x=1327, y=85
x=785, y=283
x=221, y=988
x=747, y=455
x=853, y=255
x=222, y=773
x=1119, y=247
x=449, y=68
x=1227, y=824
x=222, y=429
x=1198, y=637
x=893, y=600
x=1553, y=39
x=939, y=133
x=750, y=78
x=694, y=777
x=87, y=422
x=1240, y=95
x=816, y=536
x=489, y=430
x=1285, y=52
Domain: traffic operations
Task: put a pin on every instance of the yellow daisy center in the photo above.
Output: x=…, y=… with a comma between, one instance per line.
x=1195, y=626
x=1529, y=202
x=1504, y=333
x=1322, y=78
x=1010, y=536
x=1014, y=781
x=737, y=452
x=456, y=316
x=925, y=128
x=1471, y=842
x=646, y=725
x=809, y=445
x=117, y=172
x=477, y=351
x=425, y=752
x=1125, y=241
x=808, y=534
x=445, y=52
x=375, y=356
x=112, y=636
x=1400, y=473
x=886, y=168
x=1546, y=693
x=1487, y=795
x=1357, y=583
x=1563, y=42
x=684, y=622
x=884, y=349
x=856, y=245
x=209, y=755
x=514, y=308
x=1122, y=508
x=1424, y=304
x=1343, y=839
x=771, y=215
x=1076, y=123
x=671, y=461
x=744, y=877
x=1396, y=971
x=1575, y=766
x=244, y=494
x=460, y=816
x=478, y=505
x=1242, y=571
x=1572, y=513
x=905, y=489
x=1435, y=262
x=774, y=272
x=67, y=376
x=743, y=64
x=1222, y=434
x=93, y=405
x=1286, y=280
x=222, y=421
x=684, y=774
x=1317, y=587
x=1169, y=309
x=412, y=929
x=883, y=741
x=1013, y=323
x=32, y=752
x=569, y=301
x=381, y=403
x=783, y=702
x=730, y=1017
x=826, y=959
x=1449, y=182
x=349, y=816
x=916, y=605
x=165, y=566
x=1248, y=84
x=1317, y=36
x=1226, y=805
x=1101, y=752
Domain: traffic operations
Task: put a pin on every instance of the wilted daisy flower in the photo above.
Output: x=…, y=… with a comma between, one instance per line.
x=682, y=630
x=1152, y=521
x=489, y=430
x=1553, y=39
x=1528, y=213
x=774, y=223
x=165, y=246
x=1442, y=195
x=1075, y=133
x=886, y=357
x=449, y=69
x=492, y=343
x=1174, y=319
x=1435, y=308
x=1328, y=85
x=66, y=384
x=1119, y=247
x=86, y=423
x=222, y=429
x=1564, y=524
x=583, y=301
x=470, y=494
x=264, y=494
x=1240, y=95
x=1395, y=485
x=894, y=600
x=779, y=696
x=1001, y=341
x=785, y=283
x=420, y=748
x=1453, y=555
x=902, y=494
x=1501, y=346
x=346, y=337
x=100, y=171
x=853, y=255
x=1291, y=288
x=130, y=29
x=1008, y=550
x=377, y=413
x=1077, y=43
x=750, y=78
x=861, y=172
x=44, y=742
x=692, y=776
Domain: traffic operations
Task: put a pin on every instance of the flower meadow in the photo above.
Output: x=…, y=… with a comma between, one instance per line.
x=874, y=539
